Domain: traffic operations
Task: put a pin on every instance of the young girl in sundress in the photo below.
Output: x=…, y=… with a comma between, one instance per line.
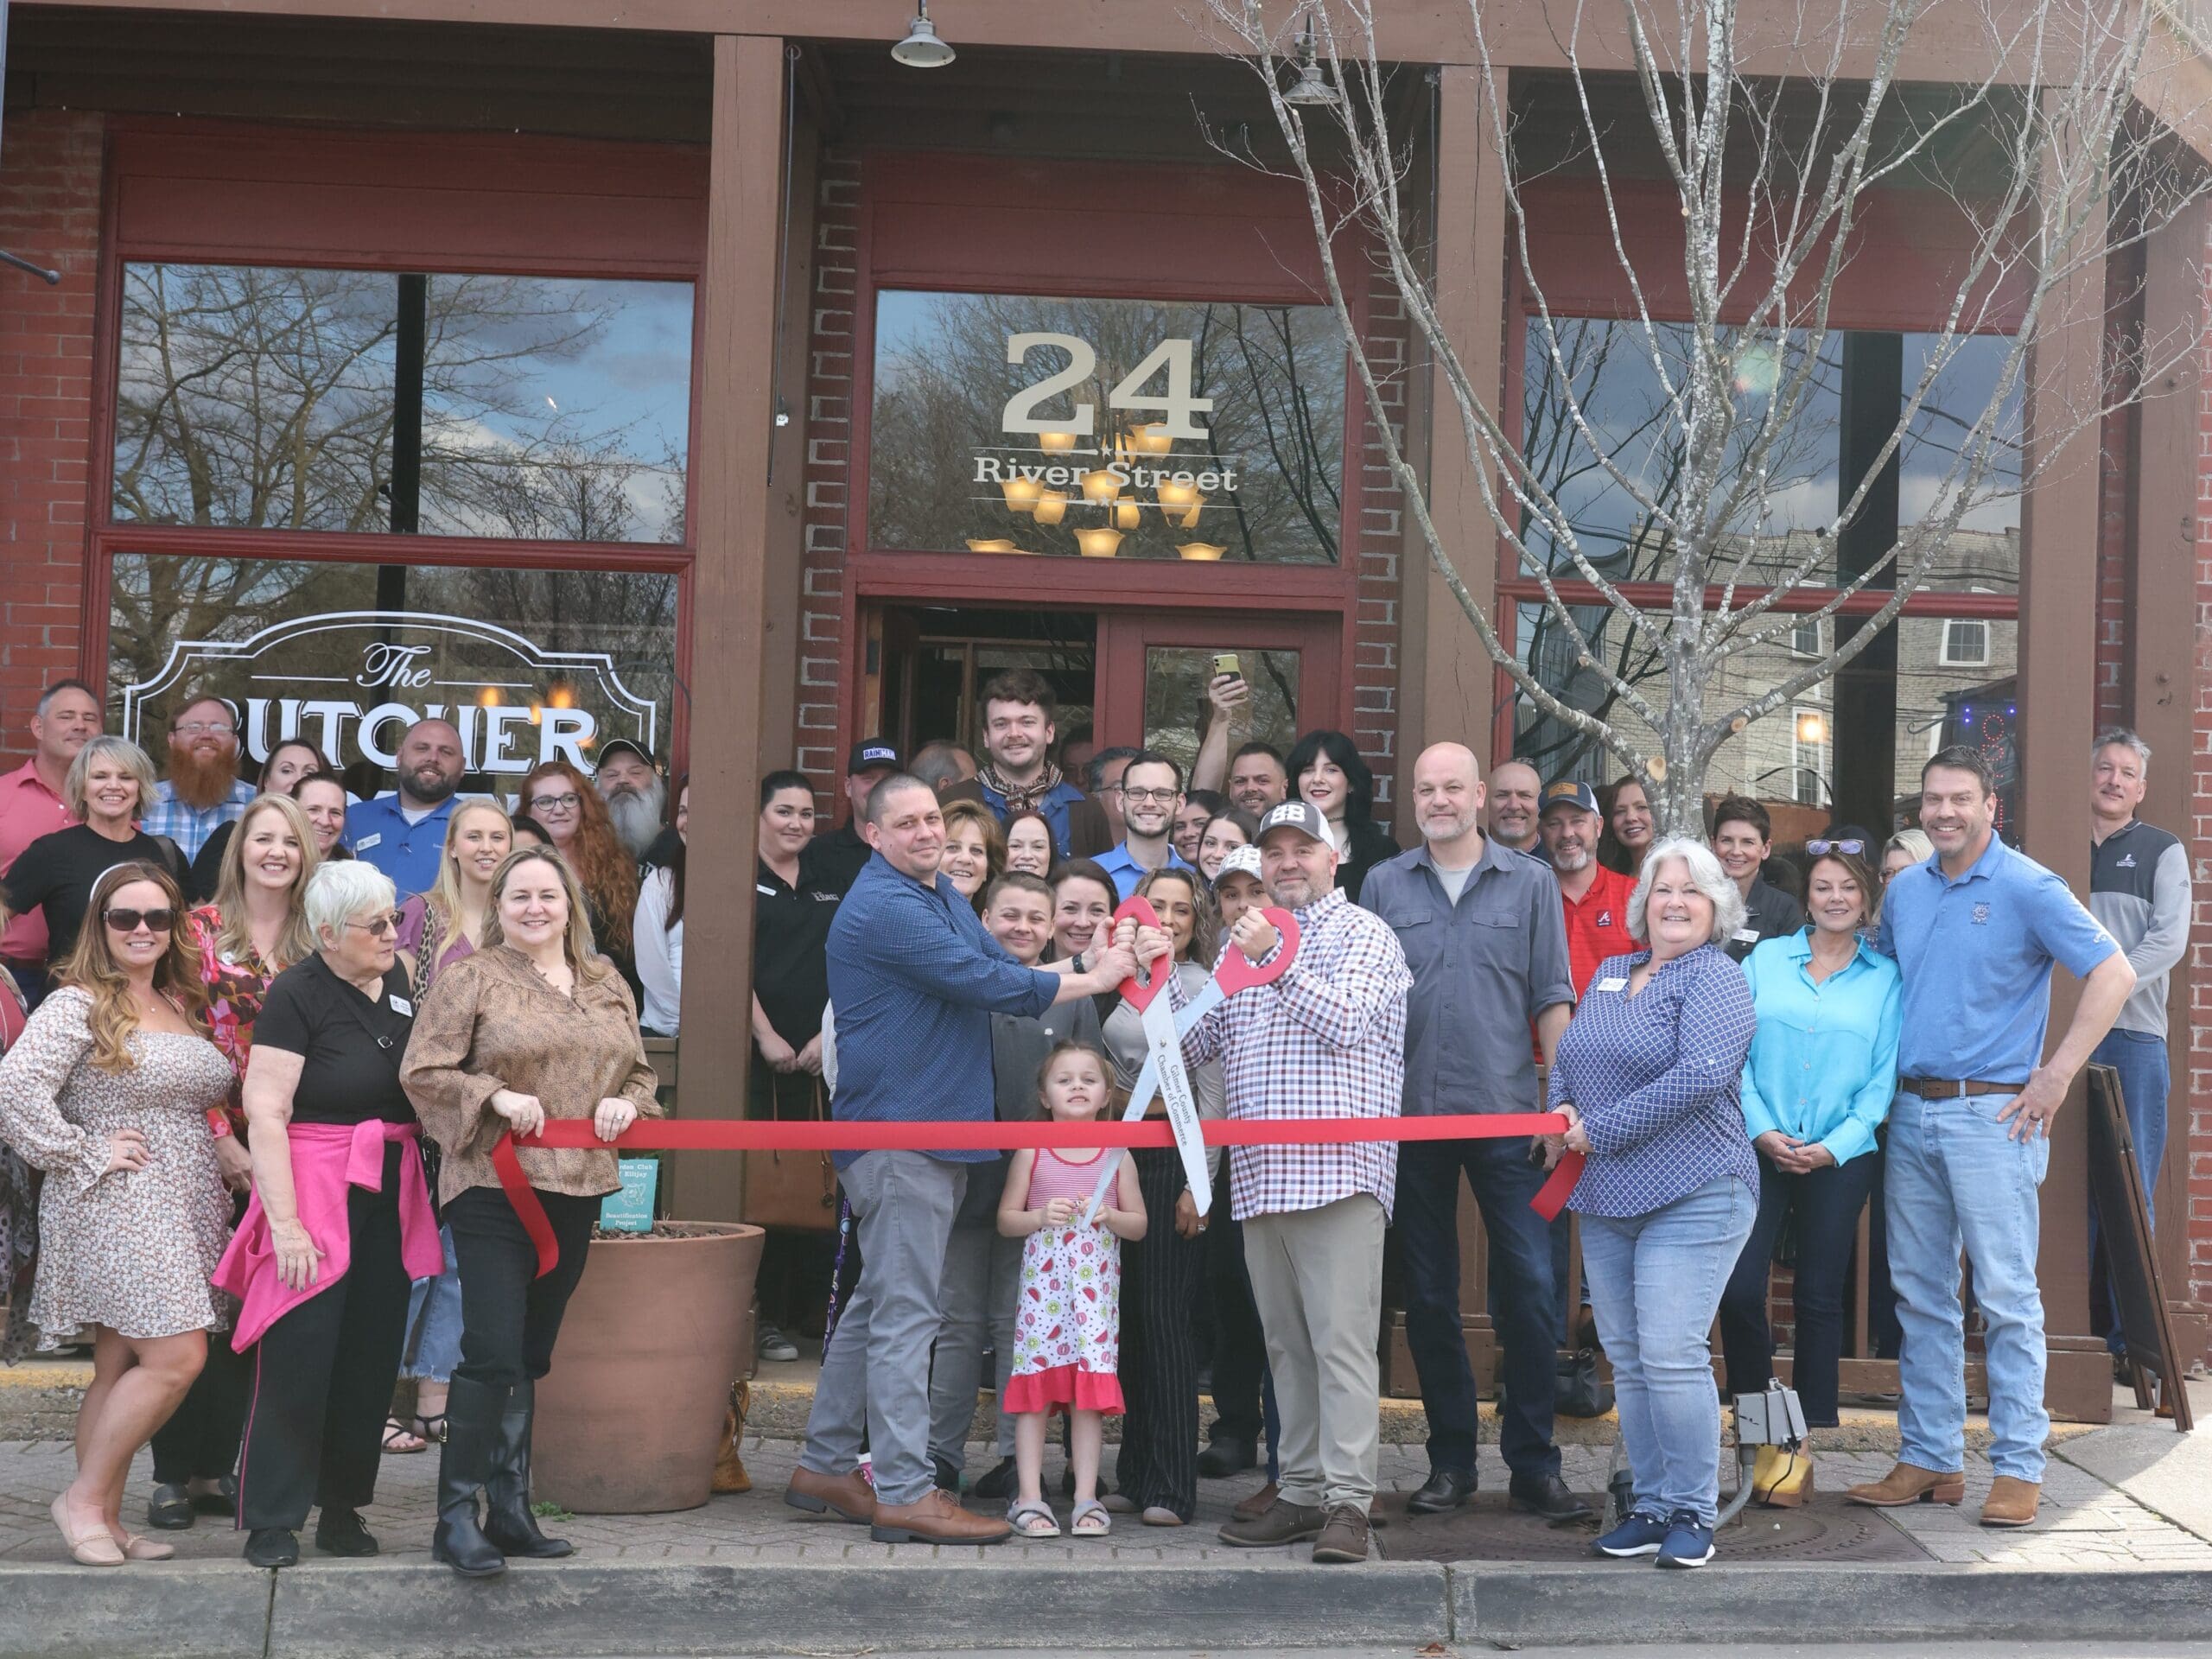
x=1067, y=1331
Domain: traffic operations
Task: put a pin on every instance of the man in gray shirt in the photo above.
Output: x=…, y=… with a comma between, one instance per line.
x=2139, y=889
x=1483, y=932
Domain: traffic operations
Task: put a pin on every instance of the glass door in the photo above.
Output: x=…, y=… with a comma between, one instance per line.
x=1154, y=668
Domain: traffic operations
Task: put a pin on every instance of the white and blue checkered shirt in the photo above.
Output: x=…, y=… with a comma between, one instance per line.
x=190, y=826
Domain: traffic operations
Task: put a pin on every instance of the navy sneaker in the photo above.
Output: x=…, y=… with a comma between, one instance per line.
x=1689, y=1541
x=1640, y=1534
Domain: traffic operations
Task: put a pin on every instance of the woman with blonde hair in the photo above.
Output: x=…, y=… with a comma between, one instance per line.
x=437, y=929
x=113, y=1090
x=975, y=849
x=564, y=801
x=255, y=928
x=535, y=1025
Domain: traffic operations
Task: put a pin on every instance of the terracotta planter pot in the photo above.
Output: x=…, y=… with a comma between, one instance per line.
x=629, y=1417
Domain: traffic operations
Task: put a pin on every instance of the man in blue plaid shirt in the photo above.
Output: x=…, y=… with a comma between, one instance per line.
x=1327, y=1040
x=203, y=791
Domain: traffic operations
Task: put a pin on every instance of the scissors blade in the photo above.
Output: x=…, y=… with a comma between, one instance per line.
x=1148, y=1086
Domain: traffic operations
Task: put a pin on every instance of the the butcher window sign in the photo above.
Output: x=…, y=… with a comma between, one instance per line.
x=350, y=682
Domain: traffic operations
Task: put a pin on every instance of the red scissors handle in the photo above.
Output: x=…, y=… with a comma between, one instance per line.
x=1238, y=972
x=1134, y=991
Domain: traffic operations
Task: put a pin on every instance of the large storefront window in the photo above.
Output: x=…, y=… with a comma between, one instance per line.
x=530, y=666
x=515, y=407
x=1851, y=747
x=1106, y=428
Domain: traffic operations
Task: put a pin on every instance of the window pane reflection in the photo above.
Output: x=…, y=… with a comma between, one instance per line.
x=1177, y=712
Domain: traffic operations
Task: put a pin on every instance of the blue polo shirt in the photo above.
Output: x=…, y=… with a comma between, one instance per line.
x=1127, y=872
x=378, y=833
x=1053, y=809
x=1976, y=954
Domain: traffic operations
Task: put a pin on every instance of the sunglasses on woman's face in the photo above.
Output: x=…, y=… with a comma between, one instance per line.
x=130, y=921
x=377, y=927
x=1853, y=847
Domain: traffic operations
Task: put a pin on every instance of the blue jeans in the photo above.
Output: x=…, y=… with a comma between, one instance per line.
x=1955, y=1179
x=1524, y=1308
x=2144, y=1083
x=1655, y=1281
x=433, y=1347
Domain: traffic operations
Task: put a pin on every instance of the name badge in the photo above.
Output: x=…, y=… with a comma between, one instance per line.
x=1746, y=935
x=762, y=886
x=1615, y=984
x=367, y=842
x=400, y=1005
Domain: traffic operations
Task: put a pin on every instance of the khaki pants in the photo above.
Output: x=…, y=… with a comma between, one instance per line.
x=1317, y=1277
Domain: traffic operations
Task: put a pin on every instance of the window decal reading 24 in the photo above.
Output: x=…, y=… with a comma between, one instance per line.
x=1171, y=357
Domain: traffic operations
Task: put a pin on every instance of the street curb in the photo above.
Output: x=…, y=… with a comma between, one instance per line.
x=413, y=1610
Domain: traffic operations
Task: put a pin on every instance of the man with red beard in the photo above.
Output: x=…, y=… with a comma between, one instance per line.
x=203, y=791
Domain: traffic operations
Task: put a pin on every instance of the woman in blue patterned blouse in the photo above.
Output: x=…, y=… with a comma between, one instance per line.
x=1647, y=1074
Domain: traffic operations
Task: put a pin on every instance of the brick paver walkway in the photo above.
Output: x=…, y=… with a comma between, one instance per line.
x=2084, y=1523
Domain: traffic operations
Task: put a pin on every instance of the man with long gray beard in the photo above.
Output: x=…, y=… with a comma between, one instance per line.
x=637, y=799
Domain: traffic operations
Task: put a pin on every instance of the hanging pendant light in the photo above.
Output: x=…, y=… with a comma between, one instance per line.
x=922, y=49
x=1098, y=544
x=1309, y=90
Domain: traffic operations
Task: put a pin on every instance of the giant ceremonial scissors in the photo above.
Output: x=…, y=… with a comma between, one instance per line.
x=1165, y=1027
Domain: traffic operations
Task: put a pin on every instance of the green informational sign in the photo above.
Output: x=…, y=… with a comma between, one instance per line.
x=630, y=1210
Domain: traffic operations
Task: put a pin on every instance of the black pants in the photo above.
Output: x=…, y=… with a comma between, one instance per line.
x=323, y=1376
x=1524, y=1305
x=201, y=1439
x=1240, y=1347
x=1827, y=1203
x=509, y=1319
x=1159, y=1463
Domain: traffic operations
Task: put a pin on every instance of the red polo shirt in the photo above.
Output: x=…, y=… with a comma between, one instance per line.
x=27, y=810
x=1597, y=926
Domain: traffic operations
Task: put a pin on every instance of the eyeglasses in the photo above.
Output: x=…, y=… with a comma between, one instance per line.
x=130, y=921
x=1163, y=796
x=202, y=728
x=380, y=926
x=568, y=803
x=1854, y=848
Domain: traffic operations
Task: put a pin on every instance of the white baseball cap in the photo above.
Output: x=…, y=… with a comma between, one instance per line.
x=1242, y=860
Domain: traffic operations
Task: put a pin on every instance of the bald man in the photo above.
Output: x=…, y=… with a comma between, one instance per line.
x=1513, y=790
x=1482, y=931
x=404, y=834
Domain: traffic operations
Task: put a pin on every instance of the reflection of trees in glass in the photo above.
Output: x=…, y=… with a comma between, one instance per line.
x=265, y=398
x=1275, y=375
x=1177, y=712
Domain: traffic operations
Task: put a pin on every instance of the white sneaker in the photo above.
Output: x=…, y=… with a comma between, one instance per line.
x=774, y=1345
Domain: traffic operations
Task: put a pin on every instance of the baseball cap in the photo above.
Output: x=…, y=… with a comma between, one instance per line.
x=1242, y=860
x=1566, y=792
x=624, y=745
x=1301, y=816
x=869, y=753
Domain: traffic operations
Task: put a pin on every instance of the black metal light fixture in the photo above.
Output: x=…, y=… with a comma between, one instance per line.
x=922, y=49
x=1309, y=90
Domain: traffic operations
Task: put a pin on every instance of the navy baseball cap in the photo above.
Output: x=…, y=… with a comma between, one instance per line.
x=1301, y=816
x=624, y=745
x=1566, y=792
x=870, y=754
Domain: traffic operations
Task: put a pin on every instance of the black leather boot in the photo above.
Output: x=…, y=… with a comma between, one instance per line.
x=473, y=1414
x=507, y=1520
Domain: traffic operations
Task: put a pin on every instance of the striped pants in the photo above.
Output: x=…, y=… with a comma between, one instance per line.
x=1161, y=1276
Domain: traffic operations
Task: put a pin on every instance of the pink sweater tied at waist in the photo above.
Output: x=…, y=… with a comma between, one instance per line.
x=328, y=1161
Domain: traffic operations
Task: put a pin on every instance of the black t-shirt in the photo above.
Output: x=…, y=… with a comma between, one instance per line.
x=833, y=861
x=349, y=1076
x=56, y=873
x=790, y=951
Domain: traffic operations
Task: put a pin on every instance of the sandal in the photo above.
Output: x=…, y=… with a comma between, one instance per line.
x=398, y=1437
x=1032, y=1520
x=1090, y=1520
x=432, y=1430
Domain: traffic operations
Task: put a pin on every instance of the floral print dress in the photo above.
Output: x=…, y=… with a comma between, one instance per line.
x=1067, y=1324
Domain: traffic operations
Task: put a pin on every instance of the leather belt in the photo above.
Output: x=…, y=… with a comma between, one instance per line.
x=1944, y=1089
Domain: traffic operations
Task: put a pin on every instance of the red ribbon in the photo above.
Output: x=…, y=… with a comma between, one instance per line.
x=726, y=1134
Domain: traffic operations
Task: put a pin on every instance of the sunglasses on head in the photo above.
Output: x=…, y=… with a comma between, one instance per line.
x=130, y=921
x=1853, y=849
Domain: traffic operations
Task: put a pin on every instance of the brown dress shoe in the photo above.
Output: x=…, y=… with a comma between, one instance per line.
x=847, y=1496
x=937, y=1518
x=1910, y=1484
x=2011, y=1502
x=1252, y=1507
x=1344, y=1537
x=1282, y=1523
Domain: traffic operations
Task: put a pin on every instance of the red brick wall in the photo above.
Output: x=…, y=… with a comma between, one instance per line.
x=50, y=213
x=1375, y=542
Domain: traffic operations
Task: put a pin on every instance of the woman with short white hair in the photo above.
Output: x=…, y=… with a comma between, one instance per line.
x=1648, y=1075
x=341, y=1224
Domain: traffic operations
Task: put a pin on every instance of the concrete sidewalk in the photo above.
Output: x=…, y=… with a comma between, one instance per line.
x=746, y=1573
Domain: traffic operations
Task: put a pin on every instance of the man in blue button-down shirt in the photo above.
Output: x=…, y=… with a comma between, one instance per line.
x=1481, y=928
x=914, y=979
x=1976, y=931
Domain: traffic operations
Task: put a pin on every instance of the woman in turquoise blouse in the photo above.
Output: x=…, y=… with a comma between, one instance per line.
x=1817, y=1084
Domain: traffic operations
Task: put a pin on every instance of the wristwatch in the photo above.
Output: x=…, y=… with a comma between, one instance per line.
x=1080, y=969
